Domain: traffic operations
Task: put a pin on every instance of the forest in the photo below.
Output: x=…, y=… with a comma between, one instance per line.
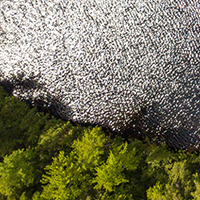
x=44, y=158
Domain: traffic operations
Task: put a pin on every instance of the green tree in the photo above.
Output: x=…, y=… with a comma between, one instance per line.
x=175, y=178
x=89, y=172
x=68, y=177
x=11, y=113
x=110, y=174
x=89, y=149
x=20, y=126
x=196, y=194
x=16, y=173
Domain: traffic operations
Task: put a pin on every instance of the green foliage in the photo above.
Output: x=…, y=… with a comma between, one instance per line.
x=16, y=173
x=36, y=196
x=110, y=174
x=84, y=172
x=58, y=136
x=88, y=150
x=196, y=193
x=3, y=95
x=66, y=180
x=20, y=127
x=67, y=176
x=31, y=125
x=174, y=175
x=11, y=112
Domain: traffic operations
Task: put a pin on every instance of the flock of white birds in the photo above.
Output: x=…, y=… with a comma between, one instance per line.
x=105, y=60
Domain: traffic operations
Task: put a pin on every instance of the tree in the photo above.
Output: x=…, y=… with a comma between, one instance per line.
x=16, y=173
x=110, y=174
x=11, y=113
x=89, y=149
x=89, y=172
x=68, y=177
x=175, y=179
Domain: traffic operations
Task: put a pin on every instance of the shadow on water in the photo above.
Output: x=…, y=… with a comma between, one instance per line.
x=50, y=104
x=143, y=124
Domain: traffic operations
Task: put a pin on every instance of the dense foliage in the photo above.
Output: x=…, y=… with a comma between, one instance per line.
x=46, y=158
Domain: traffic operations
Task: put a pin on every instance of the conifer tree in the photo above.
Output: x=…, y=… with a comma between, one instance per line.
x=16, y=173
x=69, y=176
